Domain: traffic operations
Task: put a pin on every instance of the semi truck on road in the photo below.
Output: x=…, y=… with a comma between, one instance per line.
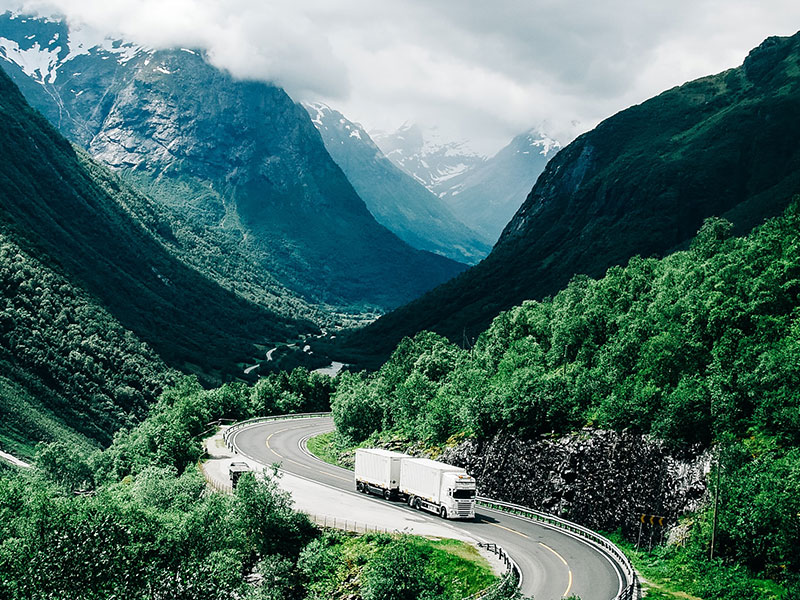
x=425, y=484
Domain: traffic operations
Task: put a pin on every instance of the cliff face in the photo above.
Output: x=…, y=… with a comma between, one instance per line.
x=601, y=479
x=239, y=157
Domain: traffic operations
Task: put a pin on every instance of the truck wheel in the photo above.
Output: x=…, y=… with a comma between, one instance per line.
x=387, y=495
x=358, y=486
x=417, y=504
x=443, y=512
x=411, y=501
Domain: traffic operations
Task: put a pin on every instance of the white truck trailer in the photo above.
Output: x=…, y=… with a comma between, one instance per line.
x=437, y=487
x=378, y=471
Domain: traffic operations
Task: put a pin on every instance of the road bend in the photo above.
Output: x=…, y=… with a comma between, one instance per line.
x=553, y=563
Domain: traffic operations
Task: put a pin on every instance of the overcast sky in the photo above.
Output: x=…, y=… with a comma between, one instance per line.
x=479, y=70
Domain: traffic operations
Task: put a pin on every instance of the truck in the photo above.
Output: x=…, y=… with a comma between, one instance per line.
x=378, y=471
x=437, y=487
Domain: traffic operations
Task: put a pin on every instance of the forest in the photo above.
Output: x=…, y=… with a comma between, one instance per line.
x=700, y=348
x=137, y=520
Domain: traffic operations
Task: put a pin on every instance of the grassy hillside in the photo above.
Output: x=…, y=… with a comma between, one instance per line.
x=640, y=183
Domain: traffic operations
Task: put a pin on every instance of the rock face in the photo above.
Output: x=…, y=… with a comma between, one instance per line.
x=238, y=156
x=600, y=479
x=396, y=199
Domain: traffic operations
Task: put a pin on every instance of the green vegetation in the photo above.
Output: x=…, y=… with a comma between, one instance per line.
x=700, y=348
x=70, y=213
x=324, y=447
x=676, y=571
x=640, y=183
x=378, y=567
x=70, y=371
x=137, y=521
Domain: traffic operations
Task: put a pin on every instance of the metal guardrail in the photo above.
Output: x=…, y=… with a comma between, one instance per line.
x=242, y=424
x=630, y=591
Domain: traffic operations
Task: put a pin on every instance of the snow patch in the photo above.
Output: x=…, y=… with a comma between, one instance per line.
x=40, y=64
x=356, y=134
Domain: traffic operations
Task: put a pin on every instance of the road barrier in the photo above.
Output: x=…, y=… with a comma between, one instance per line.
x=631, y=589
x=242, y=424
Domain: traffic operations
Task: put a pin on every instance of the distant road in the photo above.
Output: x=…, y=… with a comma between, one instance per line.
x=553, y=563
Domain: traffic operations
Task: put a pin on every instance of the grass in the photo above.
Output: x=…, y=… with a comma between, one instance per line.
x=669, y=573
x=325, y=447
x=335, y=567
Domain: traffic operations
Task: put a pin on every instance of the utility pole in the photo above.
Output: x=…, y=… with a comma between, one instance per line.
x=716, y=507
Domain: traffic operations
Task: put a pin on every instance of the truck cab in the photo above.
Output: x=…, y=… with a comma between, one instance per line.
x=459, y=494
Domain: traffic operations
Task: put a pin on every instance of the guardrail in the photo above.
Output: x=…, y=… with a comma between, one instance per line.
x=631, y=591
x=242, y=424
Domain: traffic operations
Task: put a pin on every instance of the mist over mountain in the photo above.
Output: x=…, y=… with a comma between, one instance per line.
x=237, y=157
x=642, y=182
x=482, y=192
x=397, y=200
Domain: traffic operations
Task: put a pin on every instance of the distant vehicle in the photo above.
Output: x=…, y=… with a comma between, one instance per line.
x=235, y=471
x=425, y=484
x=378, y=471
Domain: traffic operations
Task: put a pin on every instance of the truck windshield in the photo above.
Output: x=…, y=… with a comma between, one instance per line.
x=463, y=494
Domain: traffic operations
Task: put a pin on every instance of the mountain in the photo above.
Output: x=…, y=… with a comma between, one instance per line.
x=238, y=157
x=397, y=201
x=426, y=157
x=482, y=192
x=487, y=196
x=72, y=214
x=641, y=182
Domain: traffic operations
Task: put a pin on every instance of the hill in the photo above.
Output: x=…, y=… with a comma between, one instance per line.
x=640, y=183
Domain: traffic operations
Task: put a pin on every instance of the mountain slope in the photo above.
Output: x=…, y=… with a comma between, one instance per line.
x=487, y=196
x=431, y=161
x=397, y=201
x=640, y=183
x=236, y=156
x=73, y=214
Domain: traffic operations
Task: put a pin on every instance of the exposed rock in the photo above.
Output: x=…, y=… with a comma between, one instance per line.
x=601, y=479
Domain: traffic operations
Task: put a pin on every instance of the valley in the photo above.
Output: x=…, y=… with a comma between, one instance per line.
x=603, y=334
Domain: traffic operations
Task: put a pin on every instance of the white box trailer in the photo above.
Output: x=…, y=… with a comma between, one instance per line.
x=438, y=487
x=377, y=471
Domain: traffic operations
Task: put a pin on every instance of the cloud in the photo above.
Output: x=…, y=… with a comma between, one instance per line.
x=270, y=41
x=482, y=71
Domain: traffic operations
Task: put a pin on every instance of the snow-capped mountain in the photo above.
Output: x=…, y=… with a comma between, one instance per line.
x=397, y=200
x=483, y=192
x=488, y=196
x=425, y=156
x=237, y=157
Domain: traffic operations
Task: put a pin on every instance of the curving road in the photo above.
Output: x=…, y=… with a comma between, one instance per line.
x=553, y=563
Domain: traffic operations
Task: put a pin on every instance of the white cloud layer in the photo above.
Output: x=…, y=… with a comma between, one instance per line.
x=481, y=71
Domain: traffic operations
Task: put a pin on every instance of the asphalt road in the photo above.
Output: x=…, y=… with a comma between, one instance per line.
x=553, y=563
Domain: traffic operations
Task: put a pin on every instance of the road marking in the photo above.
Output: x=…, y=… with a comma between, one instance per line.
x=569, y=571
x=509, y=529
x=270, y=447
x=332, y=475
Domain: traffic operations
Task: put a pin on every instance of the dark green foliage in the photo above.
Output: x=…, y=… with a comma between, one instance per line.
x=71, y=212
x=67, y=364
x=401, y=573
x=698, y=348
x=641, y=183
